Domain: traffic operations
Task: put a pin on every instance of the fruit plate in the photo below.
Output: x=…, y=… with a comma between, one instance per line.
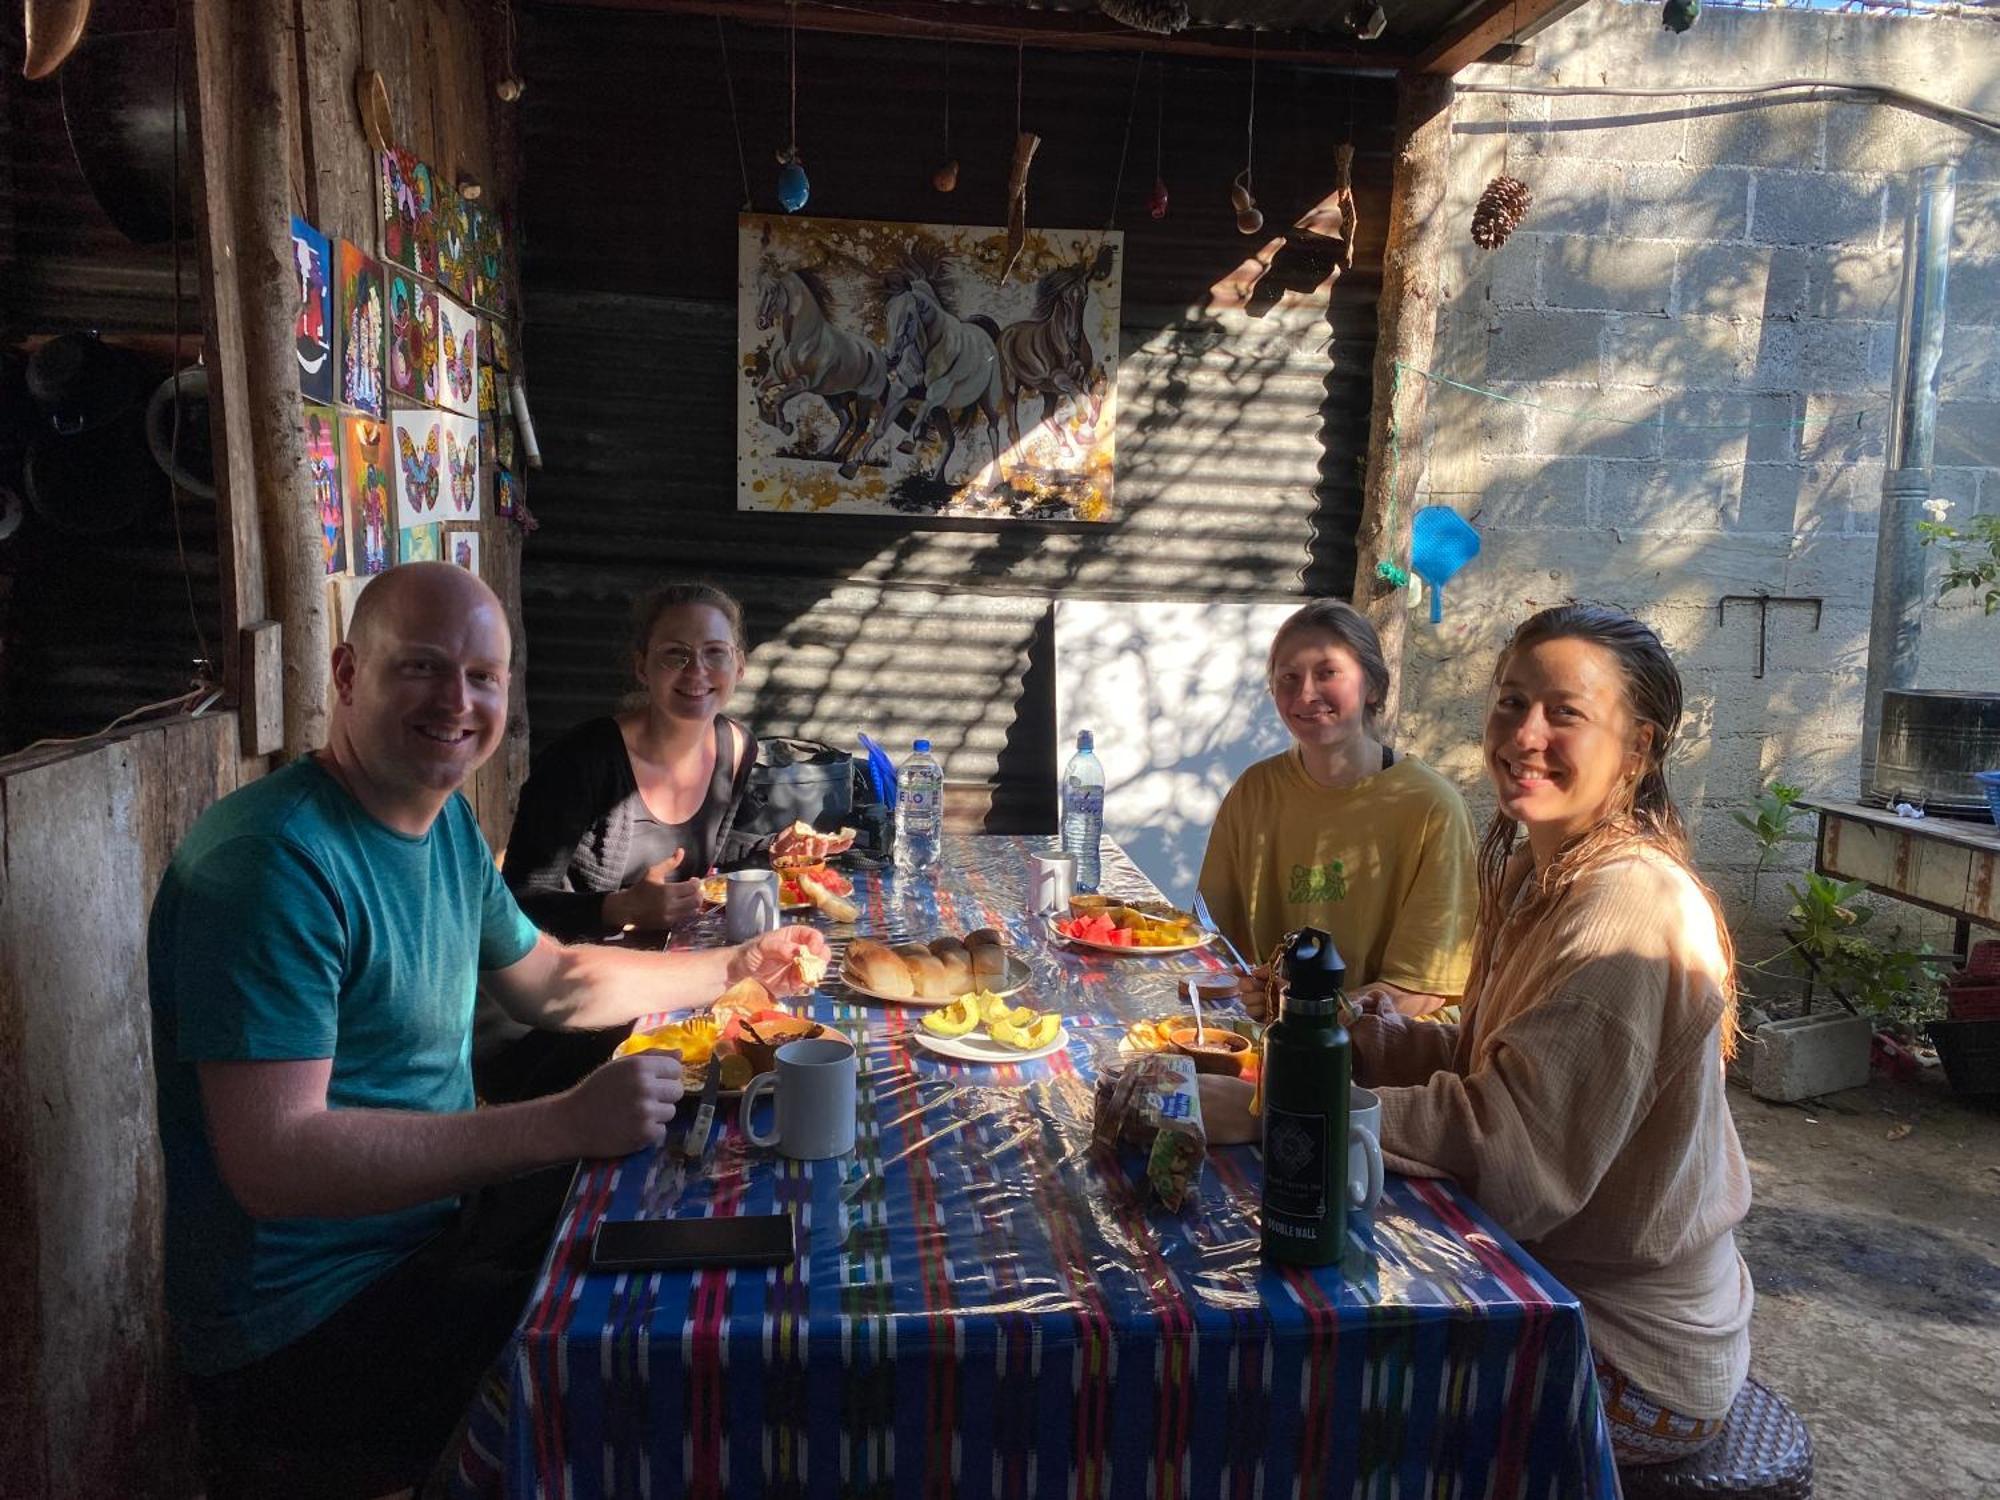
x=1121, y=951
x=977, y=1047
x=1016, y=980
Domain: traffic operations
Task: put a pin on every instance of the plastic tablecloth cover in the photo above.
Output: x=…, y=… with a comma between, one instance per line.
x=988, y=1307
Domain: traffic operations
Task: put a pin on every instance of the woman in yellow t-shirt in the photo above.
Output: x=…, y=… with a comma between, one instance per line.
x=1342, y=833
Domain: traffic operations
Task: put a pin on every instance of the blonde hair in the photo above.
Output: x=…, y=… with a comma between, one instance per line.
x=1648, y=815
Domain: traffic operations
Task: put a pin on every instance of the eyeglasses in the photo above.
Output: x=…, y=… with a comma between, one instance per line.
x=714, y=657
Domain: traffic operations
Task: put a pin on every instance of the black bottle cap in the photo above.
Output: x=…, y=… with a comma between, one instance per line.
x=1314, y=973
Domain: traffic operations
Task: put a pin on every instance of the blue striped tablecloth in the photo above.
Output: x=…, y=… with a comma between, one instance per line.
x=989, y=1308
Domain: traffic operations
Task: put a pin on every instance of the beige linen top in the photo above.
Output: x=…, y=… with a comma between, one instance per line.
x=1581, y=1104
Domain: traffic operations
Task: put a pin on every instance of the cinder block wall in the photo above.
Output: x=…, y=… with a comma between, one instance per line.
x=1721, y=276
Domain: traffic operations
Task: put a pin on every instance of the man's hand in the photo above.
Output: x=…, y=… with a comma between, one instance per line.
x=1382, y=998
x=771, y=959
x=624, y=1105
x=1225, y=1109
x=1254, y=989
x=657, y=901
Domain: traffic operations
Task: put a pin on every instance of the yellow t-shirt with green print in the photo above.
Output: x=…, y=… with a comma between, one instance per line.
x=1386, y=866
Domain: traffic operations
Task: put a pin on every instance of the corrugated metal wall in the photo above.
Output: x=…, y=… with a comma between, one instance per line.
x=1241, y=437
x=90, y=627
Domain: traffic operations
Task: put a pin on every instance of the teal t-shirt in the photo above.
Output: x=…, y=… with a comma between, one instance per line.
x=291, y=925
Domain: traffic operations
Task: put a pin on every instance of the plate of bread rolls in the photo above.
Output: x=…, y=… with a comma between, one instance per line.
x=936, y=972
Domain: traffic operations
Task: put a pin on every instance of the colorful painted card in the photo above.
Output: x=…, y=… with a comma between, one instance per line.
x=888, y=369
x=323, y=484
x=458, y=358
x=419, y=459
x=364, y=484
x=499, y=345
x=364, y=331
x=455, y=249
x=461, y=468
x=314, y=333
x=506, y=494
x=409, y=212
x=420, y=543
x=504, y=442
x=412, y=338
x=489, y=260
x=462, y=547
x=489, y=389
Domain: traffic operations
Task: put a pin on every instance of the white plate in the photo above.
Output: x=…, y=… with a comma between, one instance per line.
x=977, y=1047
x=1018, y=974
x=1062, y=937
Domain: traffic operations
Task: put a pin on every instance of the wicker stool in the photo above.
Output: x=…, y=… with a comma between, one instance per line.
x=1764, y=1453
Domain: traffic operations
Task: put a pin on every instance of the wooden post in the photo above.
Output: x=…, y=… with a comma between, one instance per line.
x=1407, y=318
x=248, y=86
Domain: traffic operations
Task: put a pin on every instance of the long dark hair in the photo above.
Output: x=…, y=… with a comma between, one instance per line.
x=1648, y=815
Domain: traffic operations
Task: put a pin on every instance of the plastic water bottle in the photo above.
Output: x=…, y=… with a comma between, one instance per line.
x=1083, y=811
x=919, y=811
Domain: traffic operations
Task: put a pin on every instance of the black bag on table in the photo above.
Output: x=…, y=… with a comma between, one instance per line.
x=809, y=781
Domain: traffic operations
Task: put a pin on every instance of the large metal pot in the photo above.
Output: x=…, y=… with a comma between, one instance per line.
x=1932, y=743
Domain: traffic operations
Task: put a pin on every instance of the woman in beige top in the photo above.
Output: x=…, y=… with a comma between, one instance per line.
x=1581, y=1102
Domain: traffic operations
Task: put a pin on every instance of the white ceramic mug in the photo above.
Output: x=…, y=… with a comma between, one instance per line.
x=752, y=905
x=1364, y=1150
x=815, y=1088
x=1051, y=879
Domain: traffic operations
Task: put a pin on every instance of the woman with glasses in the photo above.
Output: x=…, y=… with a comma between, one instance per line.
x=623, y=815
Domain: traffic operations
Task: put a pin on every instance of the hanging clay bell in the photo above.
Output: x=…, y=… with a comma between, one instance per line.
x=1239, y=196
x=1157, y=204
x=793, y=189
x=945, y=178
x=1249, y=221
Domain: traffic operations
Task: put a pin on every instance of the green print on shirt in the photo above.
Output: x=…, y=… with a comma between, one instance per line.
x=1327, y=882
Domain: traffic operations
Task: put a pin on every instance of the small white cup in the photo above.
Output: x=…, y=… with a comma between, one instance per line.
x=1364, y=1150
x=752, y=907
x=1051, y=879
x=815, y=1087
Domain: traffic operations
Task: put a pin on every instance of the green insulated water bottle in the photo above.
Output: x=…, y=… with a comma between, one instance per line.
x=1306, y=1077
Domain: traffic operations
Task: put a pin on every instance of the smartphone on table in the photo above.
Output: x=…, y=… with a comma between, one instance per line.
x=689, y=1244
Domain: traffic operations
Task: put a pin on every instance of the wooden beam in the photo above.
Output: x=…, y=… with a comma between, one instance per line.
x=1490, y=24
x=1408, y=311
x=1056, y=31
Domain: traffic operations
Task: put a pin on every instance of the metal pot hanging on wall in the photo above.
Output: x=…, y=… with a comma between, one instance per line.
x=122, y=117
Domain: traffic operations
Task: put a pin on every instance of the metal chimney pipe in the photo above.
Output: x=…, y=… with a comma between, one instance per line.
x=1896, y=621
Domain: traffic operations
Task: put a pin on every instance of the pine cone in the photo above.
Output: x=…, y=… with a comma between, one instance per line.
x=1499, y=211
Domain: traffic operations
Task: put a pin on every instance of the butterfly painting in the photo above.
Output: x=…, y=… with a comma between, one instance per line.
x=458, y=358
x=364, y=482
x=499, y=348
x=364, y=328
x=462, y=548
x=419, y=466
x=455, y=251
x=323, y=486
x=412, y=338
x=461, y=468
x=409, y=212
x=314, y=333
x=420, y=543
x=489, y=265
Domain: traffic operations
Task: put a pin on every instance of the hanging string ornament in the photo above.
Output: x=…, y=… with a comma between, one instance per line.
x=1025, y=144
x=793, y=189
x=1163, y=17
x=1249, y=219
x=1157, y=204
x=945, y=178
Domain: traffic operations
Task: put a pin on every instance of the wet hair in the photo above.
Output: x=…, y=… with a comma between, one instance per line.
x=1350, y=628
x=679, y=594
x=1647, y=814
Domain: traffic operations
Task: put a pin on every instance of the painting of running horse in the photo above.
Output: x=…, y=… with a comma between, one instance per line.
x=885, y=369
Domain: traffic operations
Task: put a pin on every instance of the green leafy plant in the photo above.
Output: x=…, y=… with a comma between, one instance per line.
x=1971, y=557
x=1772, y=825
x=1890, y=984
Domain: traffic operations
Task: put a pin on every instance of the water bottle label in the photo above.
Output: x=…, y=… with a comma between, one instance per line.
x=1295, y=1164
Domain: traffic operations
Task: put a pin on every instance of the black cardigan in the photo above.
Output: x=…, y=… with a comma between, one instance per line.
x=573, y=829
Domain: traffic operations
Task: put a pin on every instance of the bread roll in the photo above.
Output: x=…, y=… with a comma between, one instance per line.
x=911, y=950
x=957, y=972
x=986, y=937
x=947, y=947
x=928, y=974
x=875, y=967
x=989, y=964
